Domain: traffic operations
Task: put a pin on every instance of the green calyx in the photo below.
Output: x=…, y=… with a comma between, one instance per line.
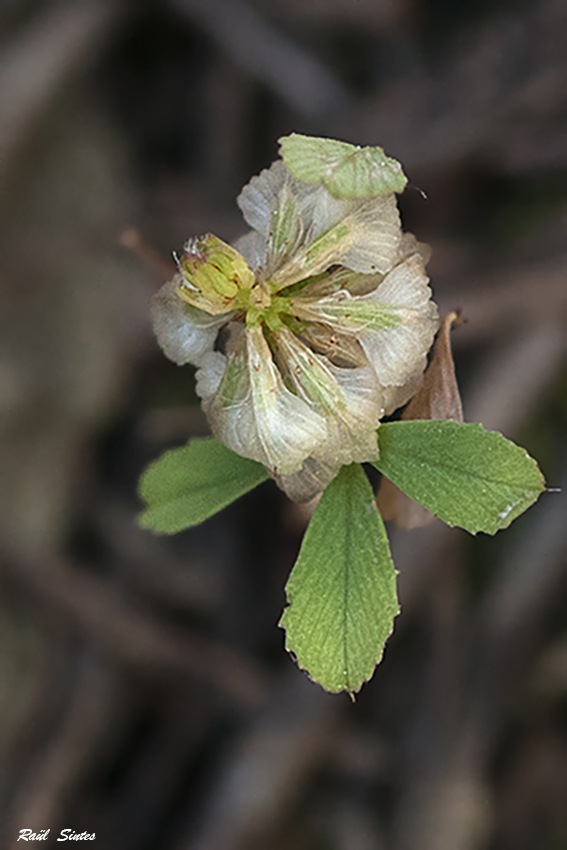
x=216, y=279
x=275, y=315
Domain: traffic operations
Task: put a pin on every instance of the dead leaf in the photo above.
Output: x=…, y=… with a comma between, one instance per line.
x=439, y=396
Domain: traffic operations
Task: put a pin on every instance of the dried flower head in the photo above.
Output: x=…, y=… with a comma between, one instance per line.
x=315, y=324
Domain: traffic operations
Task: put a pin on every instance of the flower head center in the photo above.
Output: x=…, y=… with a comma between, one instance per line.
x=213, y=275
x=216, y=278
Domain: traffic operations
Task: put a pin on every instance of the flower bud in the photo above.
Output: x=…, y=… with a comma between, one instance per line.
x=213, y=274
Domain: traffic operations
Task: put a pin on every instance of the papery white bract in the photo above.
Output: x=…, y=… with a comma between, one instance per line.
x=315, y=324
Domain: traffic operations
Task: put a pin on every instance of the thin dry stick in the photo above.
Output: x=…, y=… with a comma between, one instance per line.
x=443, y=806
x=520, y=374
x=484, y=106
x=287, y=68
x=526, y=295
x=264, y=775
x=132, y=637
x=54, y=775
x=162, y=268
x=60, y=42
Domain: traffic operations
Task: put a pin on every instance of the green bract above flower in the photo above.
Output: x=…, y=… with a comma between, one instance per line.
x=346, y=171
x=315, y=324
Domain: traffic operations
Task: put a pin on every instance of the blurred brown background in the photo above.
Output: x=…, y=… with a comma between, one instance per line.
x=144, y=691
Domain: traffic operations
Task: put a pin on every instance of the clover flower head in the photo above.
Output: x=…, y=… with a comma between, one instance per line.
x=313, y=325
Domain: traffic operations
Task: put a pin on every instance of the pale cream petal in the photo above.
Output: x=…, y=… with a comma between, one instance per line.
x=260, y=197
x=185, y=334
x=353, y=430
x=410, y=246
x=258, y=417
x=288, y=428
x=310, y=375
x=320, y=210
x=349, y=399
x=288, y=213
x=362, y=234
x=341, y=349
x=395, y=323
x=398, y=354
x=210, y=374
x=311, y=479
x=364, y=407
x=394, y=397
x=315, y=255
x=230, y=410
x=377, y=235
x=280, y=208
x=365, y=238
x=370, y=234
x=352, y=436
x=406, y=286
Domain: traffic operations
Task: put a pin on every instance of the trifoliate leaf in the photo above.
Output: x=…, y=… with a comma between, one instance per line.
x=186, y=486
x=342, y=590
x=345, y=170
x=467, y=476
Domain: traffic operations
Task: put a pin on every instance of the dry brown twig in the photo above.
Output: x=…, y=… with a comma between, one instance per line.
x=60, y=42
x=54, y=775
x=496, y=93
x=163, y=269
x=299, y=78
x=131, y=636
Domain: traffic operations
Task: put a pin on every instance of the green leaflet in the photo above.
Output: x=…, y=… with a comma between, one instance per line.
x=345, y=170
x=342, y=589
x=467, y=476
x=186, y=486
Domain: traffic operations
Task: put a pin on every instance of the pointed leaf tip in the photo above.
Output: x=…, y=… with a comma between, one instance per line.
x=342, y=589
